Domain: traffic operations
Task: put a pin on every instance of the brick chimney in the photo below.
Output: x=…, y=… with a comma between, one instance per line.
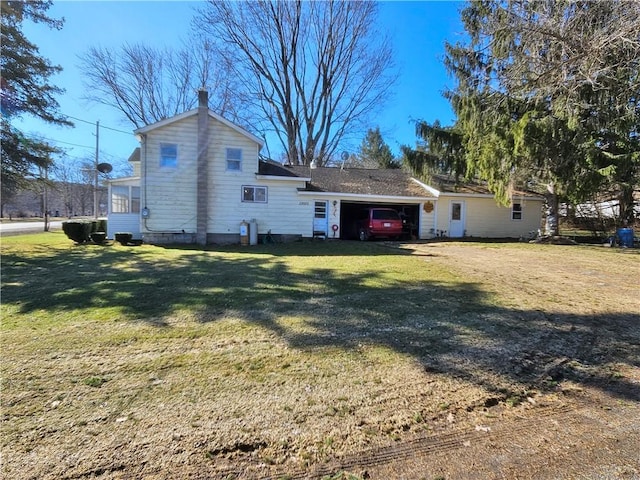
x=202, y=198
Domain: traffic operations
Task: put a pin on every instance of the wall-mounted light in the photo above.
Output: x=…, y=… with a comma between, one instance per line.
x=335, y=202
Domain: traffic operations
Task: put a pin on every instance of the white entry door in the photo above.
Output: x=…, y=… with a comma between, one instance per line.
x=456, y=218
x=320, y=219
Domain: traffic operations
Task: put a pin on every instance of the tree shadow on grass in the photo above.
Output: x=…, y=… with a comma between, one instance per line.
x=451, y=327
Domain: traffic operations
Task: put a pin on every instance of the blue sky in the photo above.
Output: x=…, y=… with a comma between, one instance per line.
x=418, y=31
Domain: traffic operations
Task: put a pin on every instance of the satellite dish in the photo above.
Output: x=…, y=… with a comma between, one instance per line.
x=345, y=156
x=104, y=167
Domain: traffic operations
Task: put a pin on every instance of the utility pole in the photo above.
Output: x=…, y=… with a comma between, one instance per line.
x=45, y=199
x=95, y=172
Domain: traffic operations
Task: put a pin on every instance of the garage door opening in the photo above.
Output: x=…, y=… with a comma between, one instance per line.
x=351, y=211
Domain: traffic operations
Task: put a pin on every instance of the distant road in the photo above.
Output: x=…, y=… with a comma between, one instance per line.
x=18, y=228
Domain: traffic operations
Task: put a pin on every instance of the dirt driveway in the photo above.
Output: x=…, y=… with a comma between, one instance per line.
x=587, y=431
x=580, y=418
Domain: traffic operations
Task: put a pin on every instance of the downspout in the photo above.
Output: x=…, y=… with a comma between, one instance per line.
x=202, y=197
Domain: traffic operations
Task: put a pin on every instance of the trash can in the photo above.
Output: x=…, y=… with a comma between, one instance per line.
x=625, y=237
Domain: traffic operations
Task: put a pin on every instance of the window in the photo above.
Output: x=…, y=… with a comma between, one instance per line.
x=119, y=199
x=516, y=211
x=456, y=211
x=125, y=199
x=320, y=210
x=234, y=159
x=168, y=155
x=135, y=199
x=254, y=194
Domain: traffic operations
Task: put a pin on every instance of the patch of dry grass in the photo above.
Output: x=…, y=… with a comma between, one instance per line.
x=148, y=360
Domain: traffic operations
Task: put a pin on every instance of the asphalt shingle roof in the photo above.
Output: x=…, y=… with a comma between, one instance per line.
x=360, y=181
x=377, y=182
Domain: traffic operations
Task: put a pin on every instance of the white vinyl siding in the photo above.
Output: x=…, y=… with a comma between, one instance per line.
x=170, y=193
x=284, y=213
x=486, y=219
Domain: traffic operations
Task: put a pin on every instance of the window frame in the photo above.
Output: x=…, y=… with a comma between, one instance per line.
x=233, y=160
x=126, y=204
x=254, y=189
x=163, y=157
x=516, y=213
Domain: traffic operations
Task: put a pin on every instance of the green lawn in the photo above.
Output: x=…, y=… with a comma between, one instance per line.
x=148, y=359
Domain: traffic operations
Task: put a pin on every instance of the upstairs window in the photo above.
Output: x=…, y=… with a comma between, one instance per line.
x=234, y=159
x=168, y=155
x=254, y=194
x=516, y=211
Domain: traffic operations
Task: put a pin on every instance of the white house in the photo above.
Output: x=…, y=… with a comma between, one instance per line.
x=198, y=178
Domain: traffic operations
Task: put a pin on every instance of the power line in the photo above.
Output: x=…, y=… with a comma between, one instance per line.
x=116, y=130
x=101, y=126
x=60, y=141
x=81, y=120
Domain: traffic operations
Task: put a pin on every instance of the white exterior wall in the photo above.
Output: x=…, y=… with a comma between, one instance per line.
x=485, y=218
x=226, y=209
x=123, y=222
x=427, y=225
x=283, y=213
x=170, y=193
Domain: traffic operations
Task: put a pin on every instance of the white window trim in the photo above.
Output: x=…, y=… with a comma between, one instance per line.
x=254, y=187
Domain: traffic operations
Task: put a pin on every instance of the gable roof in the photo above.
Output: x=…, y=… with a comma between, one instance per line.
x=190, y=113
x=361, y=181
x=135, y=155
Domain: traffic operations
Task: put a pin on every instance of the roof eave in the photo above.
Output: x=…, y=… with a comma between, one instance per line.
x=281, y=178
x=398, y=198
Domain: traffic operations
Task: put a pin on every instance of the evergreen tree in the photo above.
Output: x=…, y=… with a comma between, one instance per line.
x=374, y=152
x=25, y=89
x=549, y=91
x=439, y=151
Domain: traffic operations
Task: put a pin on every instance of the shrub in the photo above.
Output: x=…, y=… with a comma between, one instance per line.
x=102, y=225
x=98, y=237
x=123, y=237
x=78, y=230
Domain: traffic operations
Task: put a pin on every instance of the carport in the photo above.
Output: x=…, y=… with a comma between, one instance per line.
x=340, y=194
x=350, y=211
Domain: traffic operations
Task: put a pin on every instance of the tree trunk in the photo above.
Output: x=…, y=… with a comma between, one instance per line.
x=626, y=206
x=551, y=227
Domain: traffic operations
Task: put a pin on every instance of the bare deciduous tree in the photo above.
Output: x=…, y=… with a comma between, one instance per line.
x=148, y=84
x=315, y=71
